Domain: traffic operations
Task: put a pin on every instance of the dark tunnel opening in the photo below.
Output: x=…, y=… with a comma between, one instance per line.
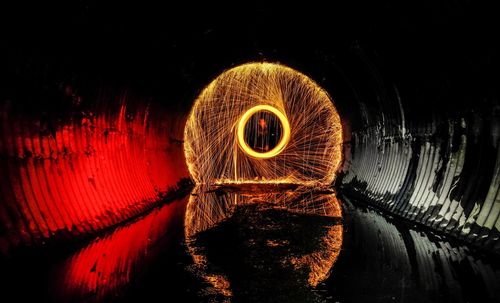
x=263, y=131
x=94, y=186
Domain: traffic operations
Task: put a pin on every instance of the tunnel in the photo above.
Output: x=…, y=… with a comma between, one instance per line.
x=390, y=195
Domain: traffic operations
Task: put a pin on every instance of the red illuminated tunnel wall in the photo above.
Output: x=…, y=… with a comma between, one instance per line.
x=85, y=170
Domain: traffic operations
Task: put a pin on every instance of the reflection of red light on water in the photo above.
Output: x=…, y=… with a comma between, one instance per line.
x=83, y=173
x=104, y=266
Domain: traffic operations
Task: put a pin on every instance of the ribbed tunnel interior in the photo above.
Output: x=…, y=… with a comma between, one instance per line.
x=93, y=104
x=425, y=143
x=79, y=170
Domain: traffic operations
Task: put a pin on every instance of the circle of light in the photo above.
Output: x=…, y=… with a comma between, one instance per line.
x=211, y=149
x=278, y=148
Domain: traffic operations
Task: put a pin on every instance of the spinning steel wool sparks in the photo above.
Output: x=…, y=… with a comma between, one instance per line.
x=263, y=123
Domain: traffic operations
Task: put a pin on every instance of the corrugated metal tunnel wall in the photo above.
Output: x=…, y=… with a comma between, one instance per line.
x=79, y=164
x=421, y=139
x=420, y=157
x=91, y=161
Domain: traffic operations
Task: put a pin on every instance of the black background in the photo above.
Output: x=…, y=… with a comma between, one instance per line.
x=437, y=53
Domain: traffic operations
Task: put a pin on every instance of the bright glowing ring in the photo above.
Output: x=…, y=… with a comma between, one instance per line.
x=241, y=132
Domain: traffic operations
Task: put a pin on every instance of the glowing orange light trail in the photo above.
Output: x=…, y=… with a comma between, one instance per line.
x=309, y=150
x=241, y=132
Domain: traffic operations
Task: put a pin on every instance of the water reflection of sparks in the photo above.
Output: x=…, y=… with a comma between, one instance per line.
x=208, y=208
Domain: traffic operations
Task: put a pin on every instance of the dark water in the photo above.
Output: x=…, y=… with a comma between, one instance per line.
x=258, y=254
x=386, y=260
x=268, y=255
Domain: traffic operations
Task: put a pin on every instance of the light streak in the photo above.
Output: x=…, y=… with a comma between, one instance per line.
x=307, y=156
x=309, y=150
x=241, y=132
